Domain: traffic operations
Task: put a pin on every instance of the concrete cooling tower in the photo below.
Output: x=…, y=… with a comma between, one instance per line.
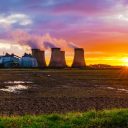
x=40, y=56
x=62, y=58
x=57, y=58
x=79, y=61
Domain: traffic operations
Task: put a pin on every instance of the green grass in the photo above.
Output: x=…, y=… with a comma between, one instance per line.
x=117, y=118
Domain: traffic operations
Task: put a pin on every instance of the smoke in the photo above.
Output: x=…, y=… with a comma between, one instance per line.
x=40, y=41
x=36, y=41
x=73, y=45
x=49, y=45
x=23, y=38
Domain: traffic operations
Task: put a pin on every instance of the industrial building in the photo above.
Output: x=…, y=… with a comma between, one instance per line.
x=37, y=59
x=9, y=60
x=40, y=57
x=63, y=60
x=28, y=61
x=79, y=61
x=57, y=58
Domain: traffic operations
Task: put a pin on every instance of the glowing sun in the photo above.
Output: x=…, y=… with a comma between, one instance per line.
x=125, y=61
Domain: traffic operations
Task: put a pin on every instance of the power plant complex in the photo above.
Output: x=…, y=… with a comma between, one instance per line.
x=57, y=59
x=37, y=59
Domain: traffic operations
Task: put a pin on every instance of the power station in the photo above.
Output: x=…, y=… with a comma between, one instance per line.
x=63, y=60
x=79, y=61
x=37, y=59
x=57, y=58
x=40, y=57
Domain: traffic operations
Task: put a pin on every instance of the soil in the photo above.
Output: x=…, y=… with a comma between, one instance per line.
x=60, y=91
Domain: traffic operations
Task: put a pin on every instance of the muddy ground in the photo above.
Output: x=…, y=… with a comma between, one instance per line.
x=62, y=90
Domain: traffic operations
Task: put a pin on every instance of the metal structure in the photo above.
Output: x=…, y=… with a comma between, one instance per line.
x=28, y=61
x=9, y=61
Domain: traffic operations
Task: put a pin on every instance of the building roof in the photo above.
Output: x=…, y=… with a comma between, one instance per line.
x=27, y=55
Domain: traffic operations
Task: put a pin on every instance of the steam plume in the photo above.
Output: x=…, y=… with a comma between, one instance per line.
x=49, y=45
x=37, y=41
x=40, y=41
x=24, y=38
x=73, y=45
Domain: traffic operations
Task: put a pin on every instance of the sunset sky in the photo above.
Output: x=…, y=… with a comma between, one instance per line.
x=98, y=26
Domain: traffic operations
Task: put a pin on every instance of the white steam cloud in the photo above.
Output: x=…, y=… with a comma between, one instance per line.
x=73, y=45
x=49, y=45
x=40, y=41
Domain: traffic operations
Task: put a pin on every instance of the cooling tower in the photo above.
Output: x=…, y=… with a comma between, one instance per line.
x=79, y=61
x=62, y=59
x=55, y=61
x=40, y=56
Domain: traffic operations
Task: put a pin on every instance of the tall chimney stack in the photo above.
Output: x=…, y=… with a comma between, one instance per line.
x=79, y=61
x=55, y=61
x=40, y=56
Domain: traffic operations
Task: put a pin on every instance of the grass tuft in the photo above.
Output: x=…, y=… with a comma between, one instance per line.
x=116, y=118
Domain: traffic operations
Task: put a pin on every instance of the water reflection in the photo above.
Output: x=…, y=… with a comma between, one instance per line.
x=15, y=88
x=18, y=82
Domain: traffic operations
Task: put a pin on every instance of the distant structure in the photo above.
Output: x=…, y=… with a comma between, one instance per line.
x=79, y=61
x=9, y=61
x=40, y=57
x=57, y=58
x=37, y=59
x=63, y=60
x=28, y=61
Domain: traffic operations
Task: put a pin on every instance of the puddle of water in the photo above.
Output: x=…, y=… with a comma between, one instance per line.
x=119, y=89
x=111, y=88
x=123, y=90
x=18, y=82
x=15, y=88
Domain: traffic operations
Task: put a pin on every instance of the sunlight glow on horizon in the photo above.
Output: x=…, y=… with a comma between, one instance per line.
x=125, y=61
x=90, y=57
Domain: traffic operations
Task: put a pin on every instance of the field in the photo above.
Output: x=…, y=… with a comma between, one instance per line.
x=47, y=91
